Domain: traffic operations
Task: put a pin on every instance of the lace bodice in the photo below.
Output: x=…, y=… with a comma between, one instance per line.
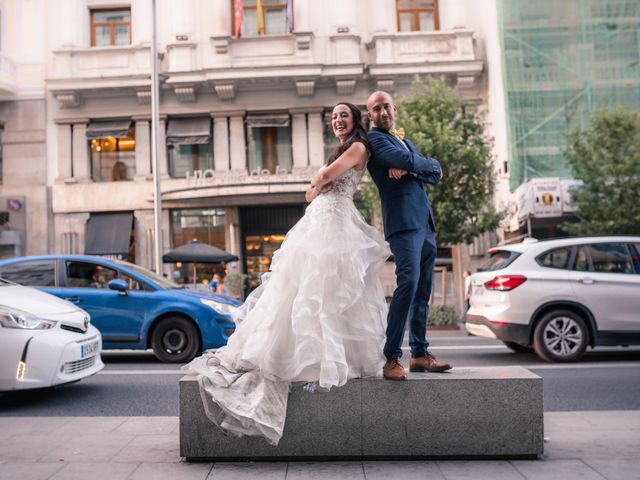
x=346, y=184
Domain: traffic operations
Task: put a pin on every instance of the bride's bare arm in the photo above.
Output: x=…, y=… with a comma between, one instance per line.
x=354, y=156
x=310, y=194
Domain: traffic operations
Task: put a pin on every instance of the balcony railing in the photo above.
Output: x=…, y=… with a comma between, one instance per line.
x=418, y=47
x=101, y=62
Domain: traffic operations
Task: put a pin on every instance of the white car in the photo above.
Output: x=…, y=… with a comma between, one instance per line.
x=559, y=296
x=44, y=341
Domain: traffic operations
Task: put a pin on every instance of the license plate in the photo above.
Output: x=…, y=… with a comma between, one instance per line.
x=477, y=290
x=89, y=349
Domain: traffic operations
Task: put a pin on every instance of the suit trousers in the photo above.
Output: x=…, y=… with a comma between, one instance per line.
x=415, y=256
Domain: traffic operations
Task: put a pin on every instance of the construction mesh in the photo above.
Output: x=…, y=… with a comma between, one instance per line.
x=562, y=60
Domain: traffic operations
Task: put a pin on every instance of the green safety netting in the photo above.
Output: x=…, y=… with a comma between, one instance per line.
x=562, y=60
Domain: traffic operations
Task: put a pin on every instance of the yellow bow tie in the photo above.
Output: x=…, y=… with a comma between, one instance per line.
x=399, y=133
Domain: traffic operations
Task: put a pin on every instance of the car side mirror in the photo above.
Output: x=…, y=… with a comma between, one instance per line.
x=118, y=285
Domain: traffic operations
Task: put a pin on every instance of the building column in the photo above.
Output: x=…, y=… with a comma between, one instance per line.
x=81, y=169
x=221, y=144
x=237, y=143
x=144, y=225
x=299, y=141
x=316, y=140
x=140, y=12
x=70, y=232
x=453, y=14
x=162, y=149
x=301, y=15
x=232, y=236
x=383, y=17
x=64, y=152
x=218, y=14
x=143, y=149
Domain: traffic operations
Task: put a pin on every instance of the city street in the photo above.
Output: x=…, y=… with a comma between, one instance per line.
x=136, y=384
x=123, y=424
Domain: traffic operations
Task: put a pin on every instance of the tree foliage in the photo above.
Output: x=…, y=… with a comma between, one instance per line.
x=443, y=126
x=606, y=157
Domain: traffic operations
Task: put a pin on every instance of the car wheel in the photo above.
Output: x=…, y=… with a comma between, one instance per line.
x=560, y=336
x=516, y=347
x=175, y=340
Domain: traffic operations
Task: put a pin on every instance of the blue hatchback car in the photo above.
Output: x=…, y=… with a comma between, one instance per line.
x=131, y=306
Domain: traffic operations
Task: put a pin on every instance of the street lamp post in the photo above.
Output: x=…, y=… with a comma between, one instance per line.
x=155, y=125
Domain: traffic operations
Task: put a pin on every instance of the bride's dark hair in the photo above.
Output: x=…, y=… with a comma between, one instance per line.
x=357, y=134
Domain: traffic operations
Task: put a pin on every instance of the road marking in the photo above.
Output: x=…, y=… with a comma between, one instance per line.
x=141, y=372
x=469, y=347
x=566, y=366
x=531, y=366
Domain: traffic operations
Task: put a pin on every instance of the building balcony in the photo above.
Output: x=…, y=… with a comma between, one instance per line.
x=100, y=67
x=439, y=52
x=8, y=82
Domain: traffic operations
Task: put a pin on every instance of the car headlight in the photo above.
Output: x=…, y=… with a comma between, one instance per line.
x=221, y=308
x=10, y=318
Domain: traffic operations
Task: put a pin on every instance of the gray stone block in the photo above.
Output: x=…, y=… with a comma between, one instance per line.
x=465, y=413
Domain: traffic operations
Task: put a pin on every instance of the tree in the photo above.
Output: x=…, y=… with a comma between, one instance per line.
x=444, y=127
x=606, y=157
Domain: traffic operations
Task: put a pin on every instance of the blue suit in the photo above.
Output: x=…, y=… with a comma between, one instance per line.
x=410, y=230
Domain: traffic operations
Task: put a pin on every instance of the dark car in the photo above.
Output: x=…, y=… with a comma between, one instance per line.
x=131, y=306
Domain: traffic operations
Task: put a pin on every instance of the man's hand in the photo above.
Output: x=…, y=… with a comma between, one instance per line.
x=397, y=173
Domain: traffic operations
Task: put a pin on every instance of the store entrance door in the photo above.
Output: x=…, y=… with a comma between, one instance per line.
x=263, y=231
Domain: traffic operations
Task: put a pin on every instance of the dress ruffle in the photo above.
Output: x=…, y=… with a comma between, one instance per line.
x=319, y=316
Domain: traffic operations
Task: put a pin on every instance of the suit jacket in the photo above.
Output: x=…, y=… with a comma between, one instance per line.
x=405, y=203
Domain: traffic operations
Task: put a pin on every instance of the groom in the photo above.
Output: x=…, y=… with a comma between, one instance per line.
x=400, y=171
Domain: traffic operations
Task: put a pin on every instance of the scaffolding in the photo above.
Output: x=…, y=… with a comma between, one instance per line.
x=561, y=61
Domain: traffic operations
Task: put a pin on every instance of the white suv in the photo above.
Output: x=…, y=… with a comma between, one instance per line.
x=559, y=296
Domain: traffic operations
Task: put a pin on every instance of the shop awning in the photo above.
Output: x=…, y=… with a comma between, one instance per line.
x=109, y=234
x=189, y=131
x=272, y=120
x=111, y=128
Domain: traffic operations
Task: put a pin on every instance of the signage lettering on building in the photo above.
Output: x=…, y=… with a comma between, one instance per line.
x=200, y=177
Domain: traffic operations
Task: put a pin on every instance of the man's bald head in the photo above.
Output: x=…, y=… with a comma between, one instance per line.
x=378, y=95
x=381, y=110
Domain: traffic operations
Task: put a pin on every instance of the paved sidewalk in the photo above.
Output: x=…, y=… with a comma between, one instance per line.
x=586, y=445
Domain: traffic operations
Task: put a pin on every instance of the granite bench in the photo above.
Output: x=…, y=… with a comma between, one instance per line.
x=465, y=413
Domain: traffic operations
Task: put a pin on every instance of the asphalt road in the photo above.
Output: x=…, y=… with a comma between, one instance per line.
x=135, y=384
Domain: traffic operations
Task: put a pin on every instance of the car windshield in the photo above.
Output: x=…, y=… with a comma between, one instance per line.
x=498, y=259
x=163, y=283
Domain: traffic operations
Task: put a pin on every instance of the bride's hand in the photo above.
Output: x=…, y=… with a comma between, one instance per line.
x=397, y=173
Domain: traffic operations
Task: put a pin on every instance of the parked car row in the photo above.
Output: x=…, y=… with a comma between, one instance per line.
x=558, y=297
x=129, y=306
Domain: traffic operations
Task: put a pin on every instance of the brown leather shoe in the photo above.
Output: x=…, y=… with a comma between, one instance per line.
x=393, y=370
x=427, y=363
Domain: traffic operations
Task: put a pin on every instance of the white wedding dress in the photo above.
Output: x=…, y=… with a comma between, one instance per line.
x=318, y=317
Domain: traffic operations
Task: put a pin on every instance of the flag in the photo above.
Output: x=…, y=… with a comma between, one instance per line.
x=290, y=15
x=238, y=13
x=260, y=15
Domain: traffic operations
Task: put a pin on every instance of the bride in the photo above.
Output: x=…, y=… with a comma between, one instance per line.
x=319, y=316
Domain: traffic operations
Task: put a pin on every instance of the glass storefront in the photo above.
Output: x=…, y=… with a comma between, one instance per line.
x=206, y=225
x=263, y=230
x=259, y=251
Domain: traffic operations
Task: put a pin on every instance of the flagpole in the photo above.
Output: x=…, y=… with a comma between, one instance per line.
x=155, y=125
